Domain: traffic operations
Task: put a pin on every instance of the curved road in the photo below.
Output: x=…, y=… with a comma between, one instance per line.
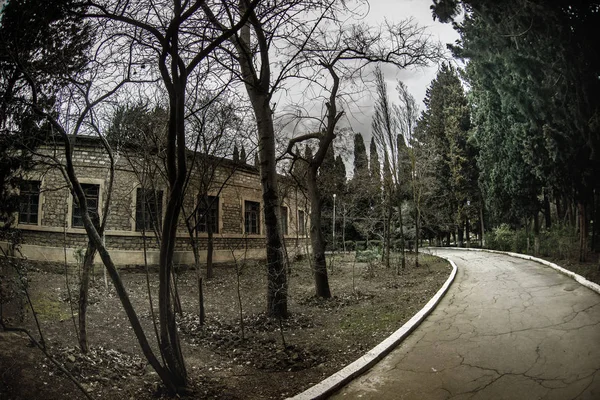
x=507, y=329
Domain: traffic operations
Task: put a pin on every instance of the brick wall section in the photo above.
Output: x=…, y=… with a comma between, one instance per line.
x=243, y=183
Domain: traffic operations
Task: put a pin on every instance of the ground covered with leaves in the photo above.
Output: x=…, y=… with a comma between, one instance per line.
x=239, y=353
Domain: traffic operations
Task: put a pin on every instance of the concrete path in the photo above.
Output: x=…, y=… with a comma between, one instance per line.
x=507, y=329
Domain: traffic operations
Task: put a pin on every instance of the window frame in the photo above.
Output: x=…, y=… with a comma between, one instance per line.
x=284, y=219
x=30, y=195
x=213, y=207
x=251, y=204
x=301, y=226
x=158, y=195
x=75, y=210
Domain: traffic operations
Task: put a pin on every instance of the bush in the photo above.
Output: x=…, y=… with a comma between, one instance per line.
x=350, y=245
x=360, y=245
x=374, y=244
x=368, y=256
x=519, y=244
x=501, y=238
x=560, y=242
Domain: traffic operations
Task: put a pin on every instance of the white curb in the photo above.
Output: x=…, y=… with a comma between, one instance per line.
x=349, y=372
x=590, y=285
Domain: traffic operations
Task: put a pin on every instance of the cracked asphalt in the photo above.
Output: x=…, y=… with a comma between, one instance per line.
x=507, y=329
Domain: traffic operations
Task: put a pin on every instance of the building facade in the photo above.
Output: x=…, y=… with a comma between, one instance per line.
x=223, y=200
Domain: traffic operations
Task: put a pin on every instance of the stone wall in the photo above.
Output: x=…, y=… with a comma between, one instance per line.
x=233, y=183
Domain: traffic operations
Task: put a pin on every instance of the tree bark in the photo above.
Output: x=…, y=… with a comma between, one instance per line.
x=388, y=236
x=402, y=244
x=482, y=226
x=582, y=231
x=316, y=236
x=209, y=251
x=84, y=284
x=536, y=234
x=468, y=232
x=277, y=274
x=547, y=215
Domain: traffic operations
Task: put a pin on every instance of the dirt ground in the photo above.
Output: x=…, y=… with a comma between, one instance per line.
x=264, y=360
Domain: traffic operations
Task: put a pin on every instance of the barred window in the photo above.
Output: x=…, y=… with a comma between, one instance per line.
x=283, y=214
x=251, y=217
x=29, y=200
x=301, y=223
x=92, y=193
x=208, y=214
x=148, y=209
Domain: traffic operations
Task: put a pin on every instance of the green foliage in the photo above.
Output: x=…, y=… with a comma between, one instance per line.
x=501, y=238
x=375, y=244
x=446, y=155
x=360, y=245
x=372, y=255
x=560, y=242
x=43, y=44
x=535, y=96
x=350, y=245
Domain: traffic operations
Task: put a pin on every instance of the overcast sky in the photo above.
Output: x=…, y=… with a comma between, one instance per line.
x=416, y=80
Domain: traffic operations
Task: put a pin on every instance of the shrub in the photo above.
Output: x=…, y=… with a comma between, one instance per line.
x=519, y=244
x=360, y=245
x=350, y=245
x=502, y=238
x=374, y=244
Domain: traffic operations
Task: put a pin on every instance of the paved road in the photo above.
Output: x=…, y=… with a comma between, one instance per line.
x=507, y=329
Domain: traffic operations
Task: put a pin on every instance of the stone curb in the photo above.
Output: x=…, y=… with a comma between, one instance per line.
x=580, y=279
x=326, y=387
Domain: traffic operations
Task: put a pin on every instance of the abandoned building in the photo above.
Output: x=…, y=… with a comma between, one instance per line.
x=223, y=200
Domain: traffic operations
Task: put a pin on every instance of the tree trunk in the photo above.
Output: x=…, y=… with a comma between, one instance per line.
x=176, y=168
x=482, y=227
x=536, y=234
x=560, y=212
x=402, y=246
x=88, y=262
x=468, y=232
x=582, y=231
x=547, y=215
x=461, y=234
x=316, y=236
x=527, y=223
x=388, y=237
x=277, y=285
x=209, y=252
x=258, y=87
x=417, y=236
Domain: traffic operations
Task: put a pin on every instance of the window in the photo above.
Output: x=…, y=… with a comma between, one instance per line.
x=251, y=217
x=29, y=199
x=208, y=214
x=301, y=226
x=92, y=193
x=148, y=209
x=283, y=215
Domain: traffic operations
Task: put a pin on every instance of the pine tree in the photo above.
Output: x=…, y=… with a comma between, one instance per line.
x=236, y=154
x=361, y=164
x=374, y=165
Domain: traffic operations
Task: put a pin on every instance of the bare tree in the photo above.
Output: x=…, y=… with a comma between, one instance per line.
x=339, y=54
x=266, y=54
x=408, y=114
x=155, y=40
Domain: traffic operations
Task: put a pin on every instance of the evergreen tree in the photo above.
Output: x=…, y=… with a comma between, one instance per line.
x=361, y=164
x=340, y=176
x=374, y=165
x=236, y=154
x=444, y=132
x=243, y=155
